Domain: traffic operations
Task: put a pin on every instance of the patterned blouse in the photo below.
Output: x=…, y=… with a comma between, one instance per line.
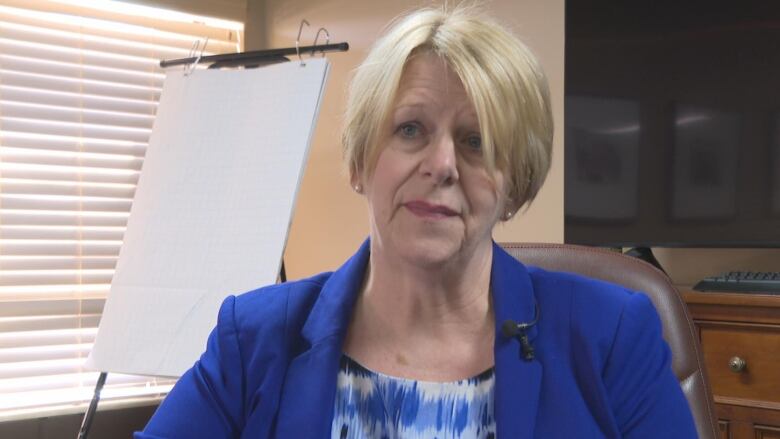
x=370, y=405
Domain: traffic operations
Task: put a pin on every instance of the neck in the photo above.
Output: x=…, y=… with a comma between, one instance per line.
x=427, y=297
x=409, y=321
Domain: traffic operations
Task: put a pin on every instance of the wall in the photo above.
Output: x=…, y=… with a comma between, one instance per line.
x=330, y=220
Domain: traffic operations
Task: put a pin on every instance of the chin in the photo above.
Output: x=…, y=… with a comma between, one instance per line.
x=430, y=251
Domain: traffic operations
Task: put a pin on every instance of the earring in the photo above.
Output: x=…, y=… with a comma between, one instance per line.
x=508, y=215
x=358, y=188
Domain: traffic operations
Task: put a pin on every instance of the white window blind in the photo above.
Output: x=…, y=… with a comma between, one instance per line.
x=79, y=85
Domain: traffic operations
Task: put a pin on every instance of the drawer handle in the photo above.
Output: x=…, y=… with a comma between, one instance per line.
x=737, y=364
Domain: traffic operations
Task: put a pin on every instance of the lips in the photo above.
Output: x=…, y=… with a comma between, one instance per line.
x=428, y=210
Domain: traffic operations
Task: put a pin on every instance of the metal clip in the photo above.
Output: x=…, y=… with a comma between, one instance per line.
x=298, y=41
x=316, y=37
x=191, y=67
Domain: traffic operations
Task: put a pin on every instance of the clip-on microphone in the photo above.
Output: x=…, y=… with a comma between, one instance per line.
x=517, y=330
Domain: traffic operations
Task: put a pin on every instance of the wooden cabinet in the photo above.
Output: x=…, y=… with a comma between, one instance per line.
x=740, y=338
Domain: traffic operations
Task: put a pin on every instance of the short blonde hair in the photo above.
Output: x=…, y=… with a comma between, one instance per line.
x=503, y=79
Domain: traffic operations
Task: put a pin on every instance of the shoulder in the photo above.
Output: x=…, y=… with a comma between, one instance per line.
x=267, y=319
x=275, y=306
x=604, y=342
x=585, y=296
x=597, y=312
x=615, y=341
x=258, y=331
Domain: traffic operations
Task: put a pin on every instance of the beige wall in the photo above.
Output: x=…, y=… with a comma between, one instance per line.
x=330, y=220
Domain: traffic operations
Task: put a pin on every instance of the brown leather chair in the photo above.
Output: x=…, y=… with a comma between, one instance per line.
x=679, y=331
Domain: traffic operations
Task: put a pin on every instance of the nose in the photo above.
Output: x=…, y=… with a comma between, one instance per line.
x=440, y=162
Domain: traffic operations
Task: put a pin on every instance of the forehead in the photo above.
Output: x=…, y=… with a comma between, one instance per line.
x=428, y=75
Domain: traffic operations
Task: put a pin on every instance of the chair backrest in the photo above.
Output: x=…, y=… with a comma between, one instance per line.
x=678, y=328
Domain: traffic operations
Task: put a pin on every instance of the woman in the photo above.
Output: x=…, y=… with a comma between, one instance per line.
x=449, y=131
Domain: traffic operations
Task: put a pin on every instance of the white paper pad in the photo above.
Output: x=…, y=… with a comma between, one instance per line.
x=211, y=211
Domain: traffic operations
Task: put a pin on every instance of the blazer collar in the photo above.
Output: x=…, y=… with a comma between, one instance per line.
x=309, y=389
x=517, y=381
x=332, y=311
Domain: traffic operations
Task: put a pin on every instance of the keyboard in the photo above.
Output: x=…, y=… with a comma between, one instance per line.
x=742, y=282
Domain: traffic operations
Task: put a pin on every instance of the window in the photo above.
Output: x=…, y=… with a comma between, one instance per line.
x=79, y=85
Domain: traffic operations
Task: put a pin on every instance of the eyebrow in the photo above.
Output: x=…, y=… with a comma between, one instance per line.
x=470, y=113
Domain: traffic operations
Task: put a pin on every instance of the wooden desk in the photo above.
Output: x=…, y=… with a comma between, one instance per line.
x=740, y=337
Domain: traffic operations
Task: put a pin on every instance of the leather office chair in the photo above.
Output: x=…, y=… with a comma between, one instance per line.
x=679, y=331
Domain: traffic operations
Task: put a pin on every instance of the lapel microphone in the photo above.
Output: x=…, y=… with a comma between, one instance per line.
x=513, y=329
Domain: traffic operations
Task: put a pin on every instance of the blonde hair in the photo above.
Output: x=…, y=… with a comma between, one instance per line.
x=503, y=79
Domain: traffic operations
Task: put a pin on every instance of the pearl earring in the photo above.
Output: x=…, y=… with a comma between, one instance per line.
x=508, y=215
x=358, y=188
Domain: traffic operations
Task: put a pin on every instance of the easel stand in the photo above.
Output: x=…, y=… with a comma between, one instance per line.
x=243, y=59
x=86, y=423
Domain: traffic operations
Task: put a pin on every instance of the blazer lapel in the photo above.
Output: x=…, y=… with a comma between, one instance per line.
x=309, y=389
x=308, y=392
x=517, y=381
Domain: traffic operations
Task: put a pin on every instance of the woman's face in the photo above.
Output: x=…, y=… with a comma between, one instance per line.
x=430, y=196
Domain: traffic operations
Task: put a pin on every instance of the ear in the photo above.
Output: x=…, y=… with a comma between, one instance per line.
x=510, y=209
x=356, y=180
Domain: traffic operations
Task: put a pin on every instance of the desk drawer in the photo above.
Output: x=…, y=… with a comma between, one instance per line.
x=758, y=346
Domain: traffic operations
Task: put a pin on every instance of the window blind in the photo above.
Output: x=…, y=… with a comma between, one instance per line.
x=79, y=86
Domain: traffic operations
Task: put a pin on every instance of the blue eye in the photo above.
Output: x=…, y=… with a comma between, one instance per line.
x=409, y=130
x=474, y=142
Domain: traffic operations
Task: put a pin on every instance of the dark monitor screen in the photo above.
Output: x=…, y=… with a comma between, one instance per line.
x=672, y=123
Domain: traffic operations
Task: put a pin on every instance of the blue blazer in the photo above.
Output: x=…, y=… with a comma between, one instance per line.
x=601, y=367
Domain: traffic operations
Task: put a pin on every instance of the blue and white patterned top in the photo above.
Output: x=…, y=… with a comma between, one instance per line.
x=370, y=405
